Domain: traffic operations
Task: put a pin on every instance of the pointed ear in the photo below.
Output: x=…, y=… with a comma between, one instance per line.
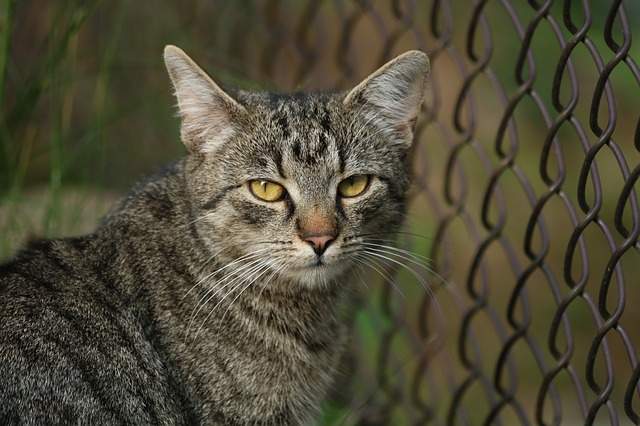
x=209, y=115
x=392, y=96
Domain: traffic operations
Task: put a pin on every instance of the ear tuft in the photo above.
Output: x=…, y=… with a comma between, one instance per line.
x=208, y=113
x=392, y=96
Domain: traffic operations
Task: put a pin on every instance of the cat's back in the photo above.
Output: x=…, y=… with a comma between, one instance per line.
x=72, y=348
x=49, y=278
x=45, y=267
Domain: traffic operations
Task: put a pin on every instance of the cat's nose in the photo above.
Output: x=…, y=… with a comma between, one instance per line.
x=319, y=243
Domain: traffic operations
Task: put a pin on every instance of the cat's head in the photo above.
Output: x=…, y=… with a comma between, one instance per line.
x=301, y=185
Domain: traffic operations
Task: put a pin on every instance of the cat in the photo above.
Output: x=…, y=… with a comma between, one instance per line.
x=216, y=291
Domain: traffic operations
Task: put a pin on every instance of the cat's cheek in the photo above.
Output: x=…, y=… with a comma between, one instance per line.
x=256, y=214
x=368, y=210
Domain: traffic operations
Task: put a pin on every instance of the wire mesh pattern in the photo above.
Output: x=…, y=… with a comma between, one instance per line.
x=529, y=181
x=501, y=385
x=596, y=396
x=527, y=162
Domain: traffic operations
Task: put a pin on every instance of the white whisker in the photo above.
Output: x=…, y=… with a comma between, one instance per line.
x=227, y=281
x=418, y=277
x=260, y=270
x=417, y=259
x=370, y=262
x=271, y=277
x=400, y=250
x=359, y=273
x=232, y=263
x=234, y=284
x=267, y=268
x=402, y=256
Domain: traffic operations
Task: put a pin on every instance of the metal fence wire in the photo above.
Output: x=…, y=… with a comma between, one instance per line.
x=527, y=163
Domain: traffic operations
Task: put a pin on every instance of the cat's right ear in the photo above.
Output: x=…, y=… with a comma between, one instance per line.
x=392, y=96
x=209, y=115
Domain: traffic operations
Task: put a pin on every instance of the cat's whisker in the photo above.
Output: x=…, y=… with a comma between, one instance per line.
x=432, y=294
x=248, y=276
x=211, y=258
x=394, y=243
x=379, y=254
x=271, y=277
x=424, y=263
x=359, y=272
x=402, y=254
x=373, y=249
x=232, y=275
x=427, y=266
x=268, y=267
x=232, y=285
x=247, y=256
x=374, y=234
x=418, y=277
x=370, y=262
x=237, y=273
x=253, y=276
x=376, y=243
x=233, y=263
x=273, y=242
x=220, y=285
x=383, y=271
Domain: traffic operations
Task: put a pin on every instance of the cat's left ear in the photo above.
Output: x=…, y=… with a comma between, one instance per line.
x=392, y=96
x=209, y=115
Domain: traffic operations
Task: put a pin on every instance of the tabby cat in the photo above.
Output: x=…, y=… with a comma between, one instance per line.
x=216, y=291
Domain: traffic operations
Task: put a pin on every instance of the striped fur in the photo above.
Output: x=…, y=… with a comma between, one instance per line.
x=163, y=315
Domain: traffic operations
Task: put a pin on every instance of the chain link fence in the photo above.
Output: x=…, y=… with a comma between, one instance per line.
x=526, y=172
x=527, y=159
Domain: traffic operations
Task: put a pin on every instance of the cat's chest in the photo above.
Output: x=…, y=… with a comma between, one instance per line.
x=252, y=365
x=286, y=357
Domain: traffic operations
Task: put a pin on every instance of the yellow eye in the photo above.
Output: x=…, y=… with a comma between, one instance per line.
x=353, y=186
x=266, y=190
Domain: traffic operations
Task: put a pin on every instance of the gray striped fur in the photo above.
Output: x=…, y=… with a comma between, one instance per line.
x=110, y=328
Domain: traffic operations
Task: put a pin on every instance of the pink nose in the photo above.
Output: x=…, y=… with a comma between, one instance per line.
x=319, y=243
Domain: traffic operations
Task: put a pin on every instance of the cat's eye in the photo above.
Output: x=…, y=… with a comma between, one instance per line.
x=266, y=190
x=353, y=186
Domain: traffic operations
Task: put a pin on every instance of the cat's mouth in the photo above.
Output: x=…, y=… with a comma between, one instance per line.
x=317, y=271
x=321, y=263
x=318, y=263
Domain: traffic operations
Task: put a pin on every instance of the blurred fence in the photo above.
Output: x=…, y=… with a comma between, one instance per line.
x=527, y=161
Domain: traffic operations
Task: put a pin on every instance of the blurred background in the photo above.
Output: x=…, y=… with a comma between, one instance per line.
x=525, y=199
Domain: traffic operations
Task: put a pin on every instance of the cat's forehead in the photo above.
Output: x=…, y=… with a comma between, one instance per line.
x=310, y=138
x=298, y=111
x=305, y=130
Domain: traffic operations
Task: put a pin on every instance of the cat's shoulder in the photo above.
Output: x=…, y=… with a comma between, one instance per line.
x=45, y=264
